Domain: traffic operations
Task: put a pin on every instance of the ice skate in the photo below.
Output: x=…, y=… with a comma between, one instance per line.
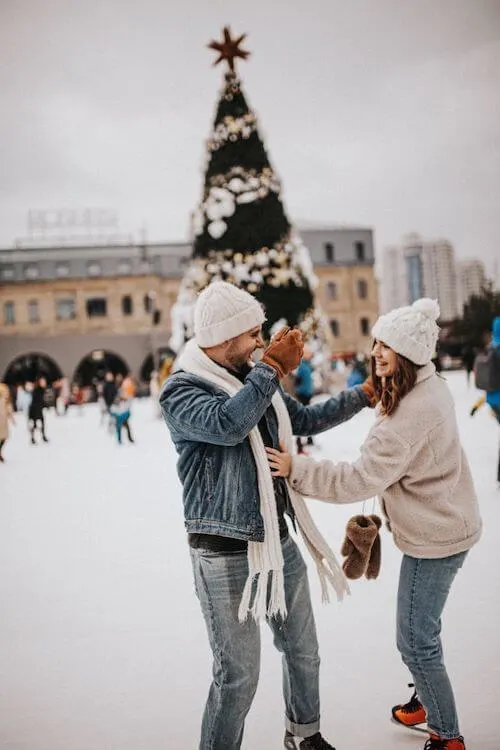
x=315, y=742
x=412, y=714
x=436, y=743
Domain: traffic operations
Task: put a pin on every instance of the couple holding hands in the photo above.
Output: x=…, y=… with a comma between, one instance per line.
x=233, y=425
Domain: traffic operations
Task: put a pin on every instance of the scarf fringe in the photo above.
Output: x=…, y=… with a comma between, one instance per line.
x=269, y=596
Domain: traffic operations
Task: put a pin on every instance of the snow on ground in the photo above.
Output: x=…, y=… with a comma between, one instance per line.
x=102, y=644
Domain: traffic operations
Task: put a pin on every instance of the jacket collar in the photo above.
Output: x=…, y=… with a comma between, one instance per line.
x=425, y=372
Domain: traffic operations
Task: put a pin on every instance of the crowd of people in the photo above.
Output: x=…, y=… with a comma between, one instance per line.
x=31, y=400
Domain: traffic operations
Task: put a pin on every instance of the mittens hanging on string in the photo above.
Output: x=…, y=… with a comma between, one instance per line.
x=361, y=547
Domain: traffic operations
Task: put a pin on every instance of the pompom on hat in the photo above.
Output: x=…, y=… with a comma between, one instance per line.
x=411, y=331
x=222, y=312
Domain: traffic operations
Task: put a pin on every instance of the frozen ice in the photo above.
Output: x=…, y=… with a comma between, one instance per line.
x=102, y=643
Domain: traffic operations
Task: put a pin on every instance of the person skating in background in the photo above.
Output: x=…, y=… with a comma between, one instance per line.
x=492, y=398
x=6, y=416
x=154, y=393
x=120, y=412
x=36, y=410
x=109, y=393
x=23, y=399
x=304, y=389
x=63, y=397
x=413, y=459
x=358, y=371
x=221, y=411
x=468, y=358
x=127, y=388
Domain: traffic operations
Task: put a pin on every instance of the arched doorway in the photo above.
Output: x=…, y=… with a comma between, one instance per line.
x=28, y=367
x=94, y=366
x=162, y=354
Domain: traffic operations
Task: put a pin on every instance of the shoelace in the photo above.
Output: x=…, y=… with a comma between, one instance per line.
x=413, y=704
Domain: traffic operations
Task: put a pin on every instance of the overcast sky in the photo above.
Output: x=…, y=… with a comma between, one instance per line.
x=385, y=114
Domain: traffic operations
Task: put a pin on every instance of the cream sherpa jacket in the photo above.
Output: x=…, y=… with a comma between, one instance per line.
x=414, y=461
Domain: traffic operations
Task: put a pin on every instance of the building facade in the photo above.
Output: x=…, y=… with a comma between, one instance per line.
x=109, y=305
x=472, y=276
x=420, y=268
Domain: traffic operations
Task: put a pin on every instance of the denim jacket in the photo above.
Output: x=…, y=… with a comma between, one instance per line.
x=216, y=464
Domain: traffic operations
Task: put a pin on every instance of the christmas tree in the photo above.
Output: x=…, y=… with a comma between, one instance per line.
x=241, y=231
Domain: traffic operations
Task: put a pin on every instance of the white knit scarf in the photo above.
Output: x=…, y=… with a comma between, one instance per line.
x=265, y=559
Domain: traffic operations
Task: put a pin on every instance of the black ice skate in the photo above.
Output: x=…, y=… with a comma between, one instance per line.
x=315, y=742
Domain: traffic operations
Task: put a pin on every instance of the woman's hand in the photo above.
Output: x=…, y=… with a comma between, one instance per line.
x=280, y=463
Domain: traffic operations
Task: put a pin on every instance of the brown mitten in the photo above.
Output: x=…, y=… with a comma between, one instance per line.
x=360, y=535
x=373, y=568
x=284, y=352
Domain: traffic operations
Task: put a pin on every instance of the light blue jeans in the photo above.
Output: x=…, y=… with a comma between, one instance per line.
x=424, y=585
x=219, y=580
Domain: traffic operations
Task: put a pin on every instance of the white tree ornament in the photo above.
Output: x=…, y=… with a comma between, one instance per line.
x=217, y=228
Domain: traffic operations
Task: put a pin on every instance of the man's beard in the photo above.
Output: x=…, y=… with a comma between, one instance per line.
x=237, y=361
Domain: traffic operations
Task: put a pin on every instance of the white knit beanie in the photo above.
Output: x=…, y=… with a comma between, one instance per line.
x=411, y=331
x=223, y=311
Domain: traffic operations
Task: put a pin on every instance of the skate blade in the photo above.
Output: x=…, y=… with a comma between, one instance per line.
x=414, y=728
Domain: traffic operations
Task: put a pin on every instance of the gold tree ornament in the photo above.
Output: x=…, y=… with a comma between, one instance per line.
x=229, y=48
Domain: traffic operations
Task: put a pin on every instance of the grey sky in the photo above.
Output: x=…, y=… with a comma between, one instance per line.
x=383, y=113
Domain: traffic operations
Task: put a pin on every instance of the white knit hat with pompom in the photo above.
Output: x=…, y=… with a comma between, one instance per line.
x=222, y=312
x=411, y=331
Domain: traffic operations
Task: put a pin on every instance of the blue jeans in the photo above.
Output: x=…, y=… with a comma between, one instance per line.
x=219, y=581
x=424, y=585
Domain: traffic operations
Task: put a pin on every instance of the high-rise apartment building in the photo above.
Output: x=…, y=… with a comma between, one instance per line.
x=420, y=268
x=472, y=277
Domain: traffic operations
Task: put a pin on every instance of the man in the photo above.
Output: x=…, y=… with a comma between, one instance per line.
x=222, y=412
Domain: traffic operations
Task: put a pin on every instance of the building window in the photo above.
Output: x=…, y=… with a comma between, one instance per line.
x=9, y=313
x=66, y=308
x=127, y=305
x=329, y=252
x=362, y=289
x=94, y=269
x=31, y=272
x=364, y=324
x=33, y=315
x=415, y=275
x=125, y=267
x=8, y=273
x=335, y=328
x=62, y=270
x=360, y=251
x=97, y=307
x=331, y=290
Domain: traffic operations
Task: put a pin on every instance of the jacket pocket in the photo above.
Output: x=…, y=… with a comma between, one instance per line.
x=209, y=477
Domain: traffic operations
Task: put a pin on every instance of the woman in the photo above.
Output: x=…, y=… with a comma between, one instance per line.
x=412, y=459
x=6, y=416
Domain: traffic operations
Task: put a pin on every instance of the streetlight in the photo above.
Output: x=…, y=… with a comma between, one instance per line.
x=155, y=319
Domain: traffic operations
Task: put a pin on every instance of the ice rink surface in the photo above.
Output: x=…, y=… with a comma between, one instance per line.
x=103, y=646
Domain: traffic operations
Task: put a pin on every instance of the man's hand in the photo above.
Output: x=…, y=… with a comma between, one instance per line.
x=280, y=463
x=284, y=352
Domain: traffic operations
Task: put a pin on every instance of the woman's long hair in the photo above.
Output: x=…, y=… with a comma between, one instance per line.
x=391, y=390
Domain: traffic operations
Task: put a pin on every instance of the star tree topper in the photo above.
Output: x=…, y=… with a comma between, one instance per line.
x=229, y=49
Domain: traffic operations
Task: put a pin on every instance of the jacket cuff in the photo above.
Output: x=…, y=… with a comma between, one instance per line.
x=363, y=395
x=298, y=470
